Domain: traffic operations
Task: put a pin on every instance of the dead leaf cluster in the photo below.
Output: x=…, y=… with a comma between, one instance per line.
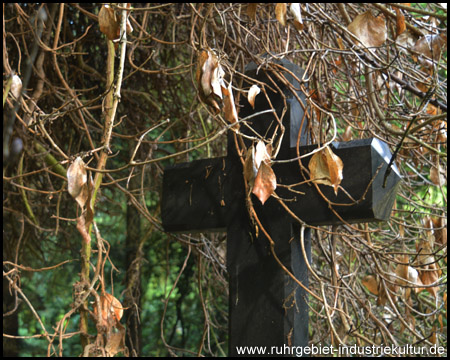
x=211, y=85
x=258, y=172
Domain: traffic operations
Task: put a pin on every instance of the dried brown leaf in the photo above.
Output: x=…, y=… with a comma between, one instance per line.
x=261, y=154
x=77, y=181
x=370, y=282
x=201, y=59
x=347, y=136
x=229, y=107
x=440, y=230
x=265, y=182
x=111, y=310
x=280, y=12
x=109, y=23
x=115, y=341
x=431, y=47
x=400, y=26
x=429, y=277
x=370, y=30
x=326, y=168
x=435, y=175
x=207, y=73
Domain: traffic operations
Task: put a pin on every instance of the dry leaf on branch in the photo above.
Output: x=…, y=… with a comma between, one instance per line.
x=254, y=90
x=297, y=13
x=326, y=168
x=114, y=332
x=265, y=182
x=208, y=69
x=109, y=21
x=229, y=107
x=16, y=86
x=400, y=26
x=77, y=182
x=371, y=284
x=370, y=30
x=430, y=46
x=280, y=12
x=258, y=172
x=209, y=77
x=111, y=310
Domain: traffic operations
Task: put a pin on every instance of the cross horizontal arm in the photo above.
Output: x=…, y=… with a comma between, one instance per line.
x=200, y=195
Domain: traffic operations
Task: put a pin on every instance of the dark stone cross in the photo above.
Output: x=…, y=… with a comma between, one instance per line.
x=266, y=307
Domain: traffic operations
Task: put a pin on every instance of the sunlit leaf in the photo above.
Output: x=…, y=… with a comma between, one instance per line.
x=217, y=80
x=229, y=106
x=370, y=30
x=326, y=168
x=254, y=90
x=280, y=12
x=111, y=310
x=207, y=72
x=261, y=154
x=297, y=13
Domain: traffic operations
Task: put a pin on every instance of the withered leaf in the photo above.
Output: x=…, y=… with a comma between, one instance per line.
x=229, y=107
x=326, y=168
x=297, y=13
x=254, y=159
x=254, y=90
x=370, y=282
x=430, y=46
x=16, y=86
x=207, y=72
x=109, y=22
x=435, y=175
x=217, y=81
x=400, y=26
x=370, y=30
x=115, y=341
x=261, y=154
x=280, y=12
x=201, y=59
x=77, y=181
x=111, y=310
x=265, y=182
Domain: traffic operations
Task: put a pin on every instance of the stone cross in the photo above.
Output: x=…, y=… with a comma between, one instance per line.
x=266, y=307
